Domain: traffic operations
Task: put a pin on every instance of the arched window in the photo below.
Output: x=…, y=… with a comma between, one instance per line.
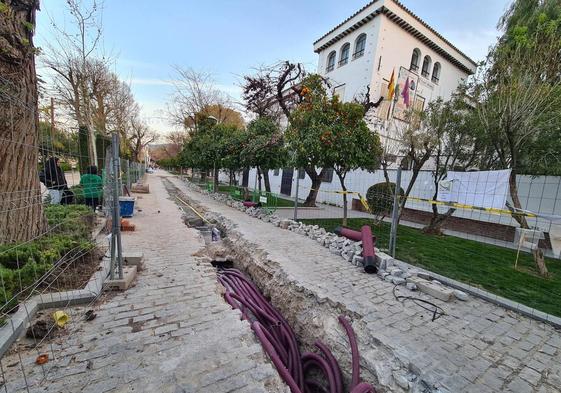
x=360, y=45
x=436, y=73
x=344, y=56
x=331, y=61
x=415, y=60
x=426, y=66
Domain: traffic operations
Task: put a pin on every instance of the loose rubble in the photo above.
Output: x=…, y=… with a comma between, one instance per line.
x=389, y=269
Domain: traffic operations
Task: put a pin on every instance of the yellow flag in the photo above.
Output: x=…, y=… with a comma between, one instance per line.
x=391, y=86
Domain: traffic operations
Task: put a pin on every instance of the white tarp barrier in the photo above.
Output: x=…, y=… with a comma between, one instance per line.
x=481, y=188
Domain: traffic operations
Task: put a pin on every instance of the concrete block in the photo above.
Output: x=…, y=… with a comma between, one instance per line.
x=431, y=289
x=358, y=260
x=129, y=273
x=134, y=259
x=396, y=272
x=398, y=280
x=460, y=295
x=384, y=261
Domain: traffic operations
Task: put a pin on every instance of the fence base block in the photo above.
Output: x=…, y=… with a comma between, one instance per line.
x=134, y=259
x=122, y=284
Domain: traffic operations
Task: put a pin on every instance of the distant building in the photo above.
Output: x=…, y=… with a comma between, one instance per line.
x=384, y=37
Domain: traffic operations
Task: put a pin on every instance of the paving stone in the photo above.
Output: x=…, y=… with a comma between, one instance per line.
x=476, y=341
x=531, y=376
x=518, y=385
x=119, y=351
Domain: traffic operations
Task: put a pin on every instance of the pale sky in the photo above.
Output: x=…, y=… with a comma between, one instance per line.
x=228, y=38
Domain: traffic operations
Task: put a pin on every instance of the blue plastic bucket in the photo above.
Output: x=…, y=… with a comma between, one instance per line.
x=126, y=206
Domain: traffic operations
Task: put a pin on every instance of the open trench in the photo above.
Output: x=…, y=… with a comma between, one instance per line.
x=311, y=317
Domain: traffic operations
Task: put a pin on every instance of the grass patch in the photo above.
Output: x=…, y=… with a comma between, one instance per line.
x=281, y=202
x=478, y=264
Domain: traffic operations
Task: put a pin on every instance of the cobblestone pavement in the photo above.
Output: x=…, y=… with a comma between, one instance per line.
x=171, y=332
x=475, y=347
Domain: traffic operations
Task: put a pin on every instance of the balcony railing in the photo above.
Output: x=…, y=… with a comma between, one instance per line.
x=330, y=67
x=343, y=61
x=358, y=54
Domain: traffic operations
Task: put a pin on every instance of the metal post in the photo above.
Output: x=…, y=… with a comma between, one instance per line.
x=116, y=246
x=255, y=187
x=296, y=196
x=214, y=186
x=128, y=170
x=395, y=213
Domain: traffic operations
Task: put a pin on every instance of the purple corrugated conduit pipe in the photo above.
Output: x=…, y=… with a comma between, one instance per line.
x=354, y=352
x=348, y=233
x=279, y=341
x=368, y=241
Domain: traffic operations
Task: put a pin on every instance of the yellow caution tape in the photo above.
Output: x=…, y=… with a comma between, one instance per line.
x=491, y=210
x=336, y=191
x=342, y=192
x=471, y=207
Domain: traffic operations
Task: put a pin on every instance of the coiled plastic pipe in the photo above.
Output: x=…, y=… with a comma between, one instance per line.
x=279, y=340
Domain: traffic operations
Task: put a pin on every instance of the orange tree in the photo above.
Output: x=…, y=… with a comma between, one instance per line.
x=327, y=133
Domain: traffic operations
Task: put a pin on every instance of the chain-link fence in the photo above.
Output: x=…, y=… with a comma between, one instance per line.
x=479, y=235
x=43, y=276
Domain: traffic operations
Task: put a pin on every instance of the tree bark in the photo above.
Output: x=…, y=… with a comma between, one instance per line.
x=417, y=166
x=437, y=221
x=21, y=210
x=216, y=175
x=516, y=200
x=316, y=183
x=540, y=262
x=266, y=180
x=342, y=181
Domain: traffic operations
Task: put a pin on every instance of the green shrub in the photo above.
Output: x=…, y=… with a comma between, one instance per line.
x=78, y=191
x=65, y=166
x=23, y=264
x=380, y=198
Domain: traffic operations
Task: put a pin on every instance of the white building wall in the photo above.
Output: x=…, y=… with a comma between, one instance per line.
x=355, y=76
x=396, y=48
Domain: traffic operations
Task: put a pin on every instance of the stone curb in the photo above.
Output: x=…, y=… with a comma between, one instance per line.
x=489, y=297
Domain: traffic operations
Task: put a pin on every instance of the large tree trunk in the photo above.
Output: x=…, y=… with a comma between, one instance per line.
x=416, y=169
x=21, y=211
x=216, y=178
x=437, y=221
x=316, y=184
x=259, y=179
x=342, y=181
x=516, y=200
x=266, y=180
